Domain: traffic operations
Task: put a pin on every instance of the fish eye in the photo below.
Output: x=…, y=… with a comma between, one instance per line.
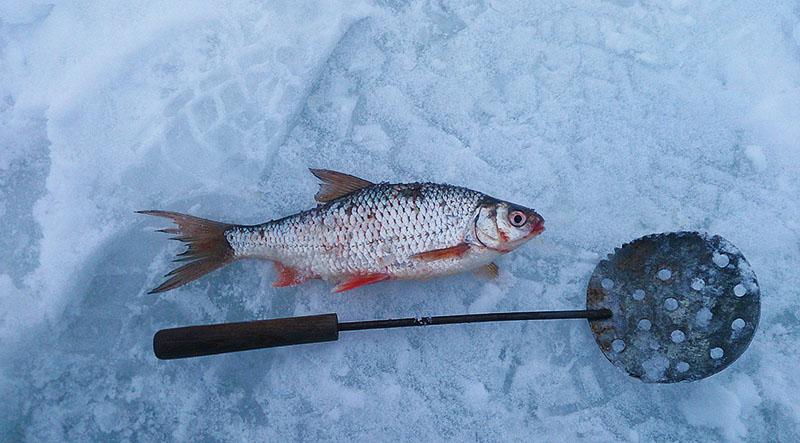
x=517, y=218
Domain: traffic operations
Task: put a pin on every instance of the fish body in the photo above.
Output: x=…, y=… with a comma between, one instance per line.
x=373, y=230
x=362, y=233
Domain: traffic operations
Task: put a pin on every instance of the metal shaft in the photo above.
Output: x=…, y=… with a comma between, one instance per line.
x=590, y=314
x=194, y=341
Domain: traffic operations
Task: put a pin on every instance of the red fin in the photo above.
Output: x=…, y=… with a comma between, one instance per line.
x=490, y=271
x=444, y=253
x=359, y=280
x=288, y=276
x=336, y=184
x=207, y=247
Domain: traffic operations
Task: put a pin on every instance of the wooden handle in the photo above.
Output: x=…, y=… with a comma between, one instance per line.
x=194, y=341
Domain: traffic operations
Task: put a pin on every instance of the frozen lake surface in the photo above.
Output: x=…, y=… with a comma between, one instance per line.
x=613, y=119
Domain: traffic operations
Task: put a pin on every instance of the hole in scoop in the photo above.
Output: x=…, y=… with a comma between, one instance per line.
x=682, y=366
x=617, y=345
x=670, y=304
x=698, y=284
x=644, y=324
x=737, y=324
x=607, y=283
x=721, y=260
x=638, y=294
x=716, y=353
x=677, y=336
x=739, y=290
x=664, y=274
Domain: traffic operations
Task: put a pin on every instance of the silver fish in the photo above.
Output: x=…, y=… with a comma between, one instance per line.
x=362, y=233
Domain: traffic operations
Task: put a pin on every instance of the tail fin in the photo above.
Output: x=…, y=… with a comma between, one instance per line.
x=208, y=249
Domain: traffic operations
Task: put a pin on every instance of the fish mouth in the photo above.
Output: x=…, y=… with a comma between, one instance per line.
x=537, y=229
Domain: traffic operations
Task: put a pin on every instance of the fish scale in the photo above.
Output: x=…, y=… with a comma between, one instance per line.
x=386, y=219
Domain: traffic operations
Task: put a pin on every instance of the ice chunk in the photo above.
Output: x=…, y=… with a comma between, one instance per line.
x=703, y=317
x=655, y=367
x=756, y=156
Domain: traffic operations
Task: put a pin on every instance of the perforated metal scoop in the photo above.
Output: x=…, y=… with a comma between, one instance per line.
x=685, y=306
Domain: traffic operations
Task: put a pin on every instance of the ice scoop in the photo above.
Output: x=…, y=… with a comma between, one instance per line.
x=663, y=308
x=685, y=306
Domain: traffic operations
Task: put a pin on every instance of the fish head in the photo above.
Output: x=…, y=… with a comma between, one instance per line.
x=504, y=226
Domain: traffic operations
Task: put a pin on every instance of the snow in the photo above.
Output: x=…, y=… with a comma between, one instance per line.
x=613, y=119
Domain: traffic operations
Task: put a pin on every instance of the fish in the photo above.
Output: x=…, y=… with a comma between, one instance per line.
x=361, y=233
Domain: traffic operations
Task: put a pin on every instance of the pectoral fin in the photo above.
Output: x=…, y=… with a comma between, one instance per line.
x=336, y=184
x=356, y=281
x=442, y=254
x=489, y=271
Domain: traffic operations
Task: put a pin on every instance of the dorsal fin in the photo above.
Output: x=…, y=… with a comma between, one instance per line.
x=336, y=184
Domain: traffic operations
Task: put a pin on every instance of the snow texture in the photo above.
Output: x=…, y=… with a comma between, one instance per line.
x=613, y=119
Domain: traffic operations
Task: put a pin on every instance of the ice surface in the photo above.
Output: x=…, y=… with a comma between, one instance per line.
x=614, y=119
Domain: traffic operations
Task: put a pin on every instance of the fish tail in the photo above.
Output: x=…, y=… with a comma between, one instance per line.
x=207, y=248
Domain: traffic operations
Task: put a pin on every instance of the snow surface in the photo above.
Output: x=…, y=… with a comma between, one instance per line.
x=614, y=119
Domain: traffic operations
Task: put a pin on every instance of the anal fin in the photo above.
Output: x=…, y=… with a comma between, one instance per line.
x=444, y=253
x=357, y=281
